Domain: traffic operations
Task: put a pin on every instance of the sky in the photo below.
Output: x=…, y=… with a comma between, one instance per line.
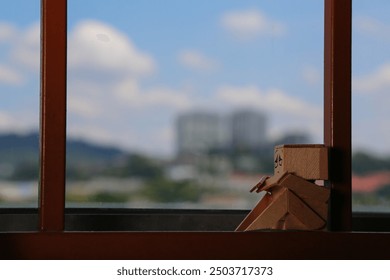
x=133, y=66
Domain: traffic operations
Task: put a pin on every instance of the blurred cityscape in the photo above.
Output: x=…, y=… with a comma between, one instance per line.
x=218, y=159
x=226, y=144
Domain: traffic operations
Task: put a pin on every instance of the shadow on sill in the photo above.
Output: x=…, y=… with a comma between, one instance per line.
x=101, y=219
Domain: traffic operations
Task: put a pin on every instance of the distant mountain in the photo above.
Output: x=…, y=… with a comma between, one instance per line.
x=21, y=148
x=80, y=151
x=19, y=158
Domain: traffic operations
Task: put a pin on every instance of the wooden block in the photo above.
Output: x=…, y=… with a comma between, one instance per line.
x=271, y=182
x=315, y=196
x=320, y=208
x=256, y=211
x=299, y=209
x=304, y=189
x=271, y=215
x=307, y=161
x=292, y=222
x=287, y=212
x=290, y=203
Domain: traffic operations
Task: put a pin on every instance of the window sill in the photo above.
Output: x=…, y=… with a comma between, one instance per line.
x=194, y=245
x=172, y=220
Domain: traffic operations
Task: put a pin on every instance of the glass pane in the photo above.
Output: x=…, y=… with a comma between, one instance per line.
x=371, y=100
x=19, y=105
x=179, y=104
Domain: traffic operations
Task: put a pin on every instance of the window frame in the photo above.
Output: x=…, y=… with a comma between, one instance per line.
x=337, y=111
x=51, y=240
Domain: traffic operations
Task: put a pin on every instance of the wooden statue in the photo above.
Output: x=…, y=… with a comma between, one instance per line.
x=292, y=200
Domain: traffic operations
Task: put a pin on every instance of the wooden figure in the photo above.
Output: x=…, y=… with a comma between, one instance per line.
x=307, y=161
x=292, y=201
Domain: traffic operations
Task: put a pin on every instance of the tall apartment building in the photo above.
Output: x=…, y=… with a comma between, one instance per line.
x=248, y=129
x=199, y=132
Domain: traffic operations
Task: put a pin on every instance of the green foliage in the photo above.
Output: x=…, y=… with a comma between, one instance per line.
x=26, y=171
x=365, y=199
x=20, y=153
x=384, y=191
x=363, y=163
x=164, y=190
x=106, y=196
x=99, y=197
x=137, y=166
x=78, y=173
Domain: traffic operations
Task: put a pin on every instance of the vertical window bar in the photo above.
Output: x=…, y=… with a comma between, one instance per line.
x=337, y=109
x=53, y=114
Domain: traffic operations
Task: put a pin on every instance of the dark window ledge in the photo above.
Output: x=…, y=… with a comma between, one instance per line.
x=195, y=245
x=101, y=219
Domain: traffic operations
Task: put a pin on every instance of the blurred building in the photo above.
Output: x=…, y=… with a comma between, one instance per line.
x=248, y=129
x=199, y=132
x=294, y=138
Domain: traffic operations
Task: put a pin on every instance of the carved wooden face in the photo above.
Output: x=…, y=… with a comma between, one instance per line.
x=278, y=160
x=307, y=161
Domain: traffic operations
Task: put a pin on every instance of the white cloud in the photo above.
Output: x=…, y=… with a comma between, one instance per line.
x=272, y=101
x=373, y=133
x=19, y=63
x=108, y=98
x=372, y=27
x=162, y=96
x=156, y=141
x=95, y=133
x=311, y=75
x=195, y=60
x=84, y=107
x=98, y=47
x=15, y=122
x=126, y=114
x=22, y=52
x=161, y=140
x=130, y=93
x=87, y=98
x=26, y=51
x=371, y=118
x=10, y=76
x=286, y=113
x=7, y=32
x=374, y=82
x=247, y=24
x=5, y=121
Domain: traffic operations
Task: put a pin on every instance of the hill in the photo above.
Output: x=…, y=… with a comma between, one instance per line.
x=19, y=155
x=22, y=147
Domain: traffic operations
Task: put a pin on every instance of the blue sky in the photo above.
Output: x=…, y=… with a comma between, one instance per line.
x=134, y=66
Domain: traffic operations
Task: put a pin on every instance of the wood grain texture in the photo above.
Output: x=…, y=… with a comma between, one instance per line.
x=53, y=115
x=307, y=161
x=264, y=245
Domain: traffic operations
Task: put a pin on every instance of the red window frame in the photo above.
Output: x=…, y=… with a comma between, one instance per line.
x=51, y=241
x=337, y=110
